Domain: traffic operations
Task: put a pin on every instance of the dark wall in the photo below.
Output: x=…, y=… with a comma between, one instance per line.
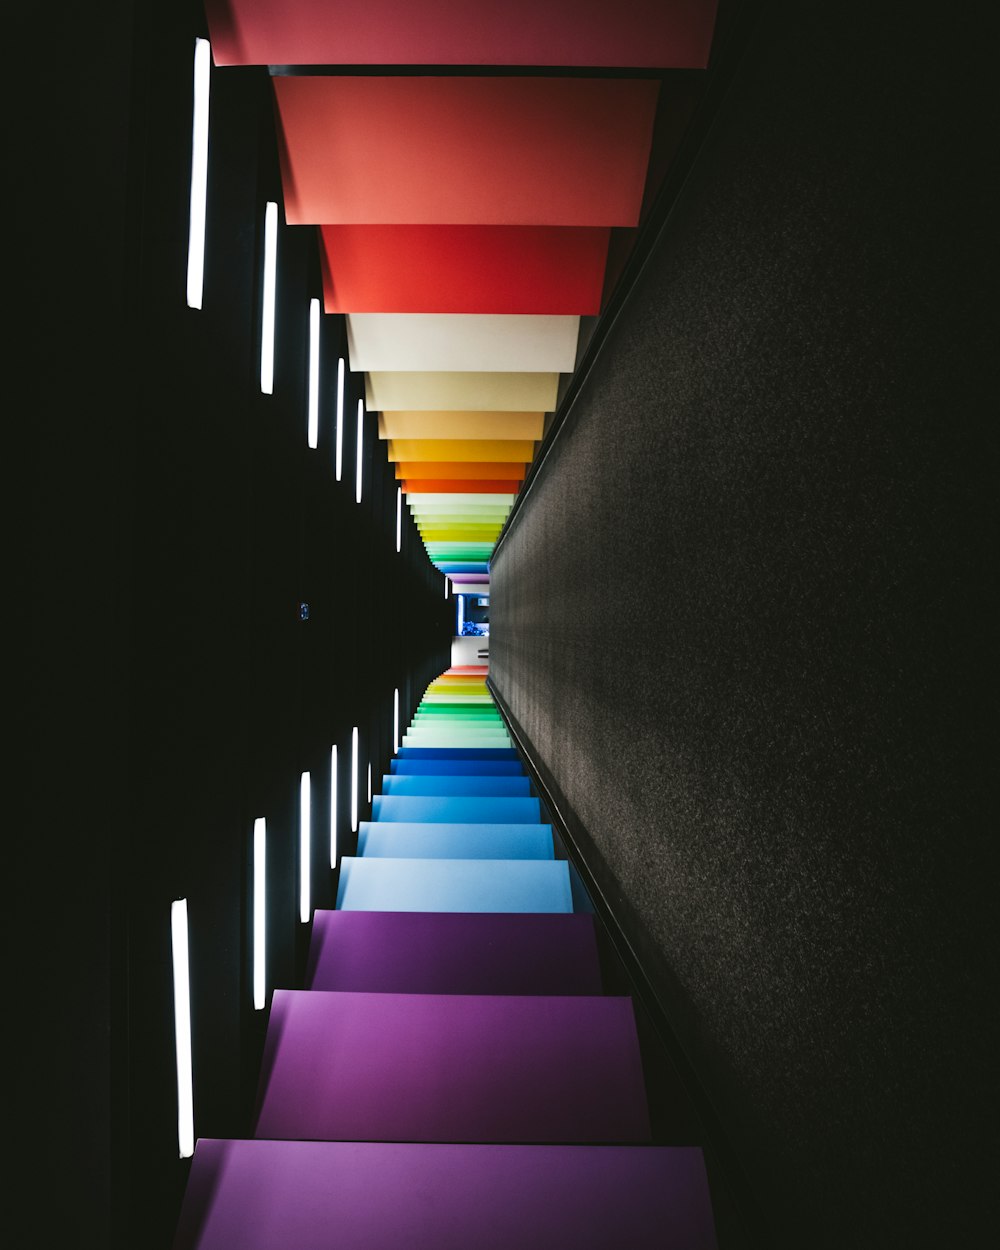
x=742, y=619
x=178, y=520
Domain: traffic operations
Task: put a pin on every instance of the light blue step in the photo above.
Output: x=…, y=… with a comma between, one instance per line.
x=456, y=768
x=400, y=840
x=457, y=811
x=443, y=784
x=471, y=885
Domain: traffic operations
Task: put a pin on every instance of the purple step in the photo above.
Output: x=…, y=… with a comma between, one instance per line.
x=402, y=952
x=451, y=1067
x=258, y=1195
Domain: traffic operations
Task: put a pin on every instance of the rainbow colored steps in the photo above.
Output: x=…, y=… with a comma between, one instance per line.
x=453, y=1073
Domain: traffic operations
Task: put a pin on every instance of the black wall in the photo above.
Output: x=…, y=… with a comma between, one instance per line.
x=742, y=618
x=177, y=520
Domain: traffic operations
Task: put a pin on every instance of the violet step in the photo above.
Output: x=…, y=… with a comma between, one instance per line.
x=259, y=1195
x=392, y=952
x=451, y=1067
x=396, y=840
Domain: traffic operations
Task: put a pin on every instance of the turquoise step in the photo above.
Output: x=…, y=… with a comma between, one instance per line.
x=451, y=811
x=456, y=753
x=454, y=885
x=392, y=783
x=398, y=840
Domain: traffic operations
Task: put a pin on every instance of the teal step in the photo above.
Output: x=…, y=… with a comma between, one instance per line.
x=454, y=885
x=399, y=840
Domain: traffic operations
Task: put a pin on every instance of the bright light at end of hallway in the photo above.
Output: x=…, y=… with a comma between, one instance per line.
x=199, y=174
x=313, y=372
x=182, y=1026
x=259, y=914
x=267, y=310
x=305, y=847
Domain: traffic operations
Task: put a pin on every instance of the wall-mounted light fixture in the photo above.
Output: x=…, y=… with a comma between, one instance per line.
x=199, y=174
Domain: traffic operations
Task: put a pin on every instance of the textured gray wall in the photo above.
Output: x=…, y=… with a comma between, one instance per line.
x=742, y=619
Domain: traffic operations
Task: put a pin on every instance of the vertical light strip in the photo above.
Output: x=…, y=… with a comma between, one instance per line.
x=399, y=518
x=182, y=1027
x=360, y=461
x=447, y=586
x=199, y=173
x=267, y=311
x=461, y=611
x=259, y=914
x=340, y=418
x=355, y=763
x=395, y=721
x=305, y=826
x=333, y=806
x=313, y=372
x=369, y=782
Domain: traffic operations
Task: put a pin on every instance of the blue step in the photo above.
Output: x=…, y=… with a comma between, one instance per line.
x=451, y=811
x=397, y=840
x=474, y=885
x=432, y=784
x=456, y=768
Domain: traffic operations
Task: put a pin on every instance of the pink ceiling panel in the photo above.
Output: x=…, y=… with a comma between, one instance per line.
x=463, y=269
x=464, y=151
x=668, y=34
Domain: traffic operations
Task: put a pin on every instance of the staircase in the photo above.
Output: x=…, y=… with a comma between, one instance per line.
x=452, y=1076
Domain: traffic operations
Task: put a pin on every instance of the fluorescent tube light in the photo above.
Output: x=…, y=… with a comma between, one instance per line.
x=354, y=779
x=267, y=312
x=182, y=1026
x=340, y=418
x=333, y=806
x=360, y=461
x=259, y=914
x=313, y=372
x=199, y=174
x=305, y=823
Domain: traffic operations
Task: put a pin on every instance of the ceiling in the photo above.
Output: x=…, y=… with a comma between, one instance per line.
x=474, y=172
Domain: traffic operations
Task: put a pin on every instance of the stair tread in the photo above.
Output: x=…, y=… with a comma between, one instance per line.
x=451, y=1067
x=262, y=1194
x=442, y=785
x=416, y=840
x=474, y=809
x=403, y=767
x=453, y=953
x=474, y=885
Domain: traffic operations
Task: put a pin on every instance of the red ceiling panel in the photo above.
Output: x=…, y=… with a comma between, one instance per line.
x=672, y=34
x=474, y=151
x=463, y=269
